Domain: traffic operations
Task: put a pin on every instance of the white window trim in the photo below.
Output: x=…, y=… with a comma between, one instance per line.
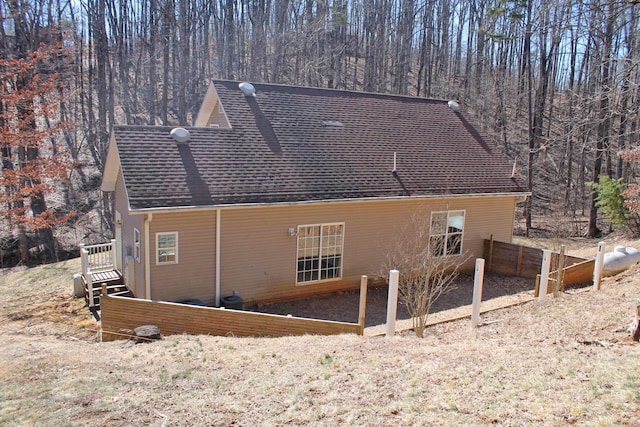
x=446, y=235
x=333, y=279
x=158, y=235
x=137, y=248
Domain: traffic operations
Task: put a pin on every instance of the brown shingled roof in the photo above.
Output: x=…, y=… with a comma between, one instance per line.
x=293, y=144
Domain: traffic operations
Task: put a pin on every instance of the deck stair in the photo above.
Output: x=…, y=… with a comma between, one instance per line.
x=115, y=287
x=98, y=268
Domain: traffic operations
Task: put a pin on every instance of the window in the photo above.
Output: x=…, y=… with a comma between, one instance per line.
x=446, y=233
x=136, y=244
x=319, y=252
x=167, y=248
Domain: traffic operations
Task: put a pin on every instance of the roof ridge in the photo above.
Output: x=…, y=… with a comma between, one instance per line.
x=335, y=90
x=168, y=127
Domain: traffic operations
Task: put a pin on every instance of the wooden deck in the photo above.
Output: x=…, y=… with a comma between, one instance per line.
x=111, y=278
x=106, y=276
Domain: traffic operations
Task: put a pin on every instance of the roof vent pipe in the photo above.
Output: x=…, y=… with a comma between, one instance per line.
x=454, y=105
x=247, y=89
x=395, y=164
x=180, y=135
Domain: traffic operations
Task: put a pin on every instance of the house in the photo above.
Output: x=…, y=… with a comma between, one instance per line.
x=281, y=192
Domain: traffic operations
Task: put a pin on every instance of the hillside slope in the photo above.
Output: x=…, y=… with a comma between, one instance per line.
x=565, y=361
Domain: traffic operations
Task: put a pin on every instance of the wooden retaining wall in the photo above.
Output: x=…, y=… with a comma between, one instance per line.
x=515, y=260
x=120, y=315
x=580, y=273
x=574, y=275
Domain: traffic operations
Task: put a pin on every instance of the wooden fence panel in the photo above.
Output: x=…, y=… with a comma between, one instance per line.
x=512, y=260
x=531, y=262
x=580, y=273
x=121, y=313
x=574, y=275
x=515, y=260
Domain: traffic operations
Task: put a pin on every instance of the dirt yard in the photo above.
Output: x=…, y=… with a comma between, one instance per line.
x=567, y=361
x=344, y=307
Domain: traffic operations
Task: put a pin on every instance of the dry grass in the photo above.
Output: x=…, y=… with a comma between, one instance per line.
x=562, y=362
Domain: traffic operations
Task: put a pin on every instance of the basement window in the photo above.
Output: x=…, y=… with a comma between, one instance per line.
x=446, y=233
x=320, y=249
x=167, y=248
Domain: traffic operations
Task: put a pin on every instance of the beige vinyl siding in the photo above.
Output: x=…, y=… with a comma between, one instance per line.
x=129, y=222
x=194, y=274
x=258, y=256
x=211, y=111
x=218, y=118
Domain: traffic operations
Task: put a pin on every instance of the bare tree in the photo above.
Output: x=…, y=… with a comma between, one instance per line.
x=428, y=265
x=556, y=82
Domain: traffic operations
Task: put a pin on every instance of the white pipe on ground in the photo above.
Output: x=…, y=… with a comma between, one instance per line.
x=392, y=302
x=544, y=274
x=478, y=283
x=597, y=268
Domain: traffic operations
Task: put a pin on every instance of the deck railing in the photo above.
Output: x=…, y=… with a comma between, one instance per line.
x=95, y=258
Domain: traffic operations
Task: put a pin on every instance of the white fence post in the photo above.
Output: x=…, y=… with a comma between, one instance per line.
x=544, y=274
x=478, y=282
x=597, y=268
x=392, y=302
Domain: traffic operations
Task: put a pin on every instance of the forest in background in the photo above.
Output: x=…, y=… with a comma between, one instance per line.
x=554, y=82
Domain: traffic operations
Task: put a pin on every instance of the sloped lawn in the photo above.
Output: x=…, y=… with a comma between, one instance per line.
x=567, y=361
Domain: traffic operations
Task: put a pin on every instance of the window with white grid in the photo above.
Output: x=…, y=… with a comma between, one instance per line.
x=319, y=252
x=446, y=233
x=167, y=248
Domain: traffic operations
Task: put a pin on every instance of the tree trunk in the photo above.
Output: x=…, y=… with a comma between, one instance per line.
x=602, y=137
